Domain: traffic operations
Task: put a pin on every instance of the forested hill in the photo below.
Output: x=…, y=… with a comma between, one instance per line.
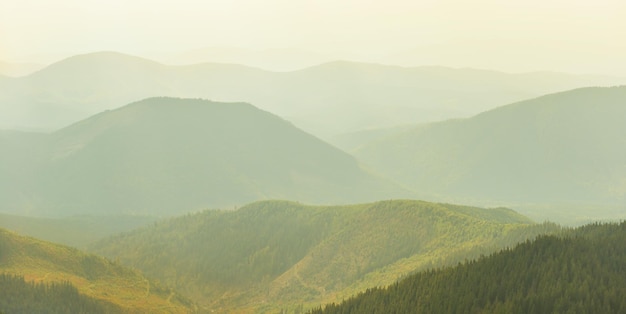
x=274, y=254
x=583, y=271
x=60, y=271
x=166, y=156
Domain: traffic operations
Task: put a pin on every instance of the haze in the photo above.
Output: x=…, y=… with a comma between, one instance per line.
x=516, y=36
x=312, y=156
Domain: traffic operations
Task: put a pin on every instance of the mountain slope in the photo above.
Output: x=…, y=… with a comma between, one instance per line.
x=328, y=99
x=579, y=273
x=162, y=156
x=275, y=254
x=567, y=146
x=93, y=276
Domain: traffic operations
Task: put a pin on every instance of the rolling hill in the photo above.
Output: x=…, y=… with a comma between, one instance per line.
x=564, y=147
x=328, y=99
x=97, y=279
x=579, y=272
x=165, y=156
x=276, y=254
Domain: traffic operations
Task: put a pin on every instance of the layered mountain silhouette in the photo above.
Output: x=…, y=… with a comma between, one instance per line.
x=564, y=147
x=328, y=99
x=164, y=156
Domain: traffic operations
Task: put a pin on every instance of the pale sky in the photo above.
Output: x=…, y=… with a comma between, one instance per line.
x=579, y=36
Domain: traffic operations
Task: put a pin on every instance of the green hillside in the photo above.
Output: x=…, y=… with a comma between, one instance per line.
x=52, y=265
x=580, y=272
x=565, y=147
x=328, y=99
x=164, y=156
x=275, y=254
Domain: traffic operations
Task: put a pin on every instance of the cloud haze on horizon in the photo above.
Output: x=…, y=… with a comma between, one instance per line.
x=579, y=36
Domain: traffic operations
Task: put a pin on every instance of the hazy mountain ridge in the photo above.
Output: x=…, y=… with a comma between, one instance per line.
x=577, y=271
x=269, y=59
x=164, y=156
x=12, y=69
x=567, y=146
x=275, y=254
x=328, y=99
x=93, y=276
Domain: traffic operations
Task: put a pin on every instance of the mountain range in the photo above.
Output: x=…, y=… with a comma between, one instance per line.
x=164, y=156
x=326, y=100
x=193, y=178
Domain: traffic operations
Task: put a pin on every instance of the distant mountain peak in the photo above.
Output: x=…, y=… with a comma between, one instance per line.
x=97, y=61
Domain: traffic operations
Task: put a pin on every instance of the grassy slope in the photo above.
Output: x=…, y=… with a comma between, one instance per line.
x=276, y=254
x=93, y=276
